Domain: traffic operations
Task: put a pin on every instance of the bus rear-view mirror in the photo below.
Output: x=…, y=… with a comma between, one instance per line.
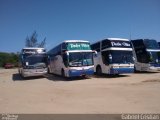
x=95, y=53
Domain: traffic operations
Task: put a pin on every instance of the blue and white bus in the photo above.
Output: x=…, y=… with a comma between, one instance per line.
x=71, y=58
x=114, y=56
x=32, y=62
x=147, y=54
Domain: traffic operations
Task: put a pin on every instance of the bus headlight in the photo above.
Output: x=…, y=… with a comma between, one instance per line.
x=72, y=70
x=114, y=67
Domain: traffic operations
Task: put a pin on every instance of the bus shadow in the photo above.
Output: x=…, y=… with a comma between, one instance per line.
x=17, y=77
x=111, y=76
x=57, y=78
x=146, y=72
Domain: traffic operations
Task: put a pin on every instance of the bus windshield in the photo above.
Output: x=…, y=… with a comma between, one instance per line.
x=36, y=60
x=151, y=44
x=118, y=57
x=154, y=57
x=77, y=59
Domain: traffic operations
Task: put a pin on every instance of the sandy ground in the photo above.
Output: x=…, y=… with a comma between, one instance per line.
x=132, y=93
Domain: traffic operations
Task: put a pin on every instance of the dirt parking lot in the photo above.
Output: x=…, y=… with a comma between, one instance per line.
x=132, y=93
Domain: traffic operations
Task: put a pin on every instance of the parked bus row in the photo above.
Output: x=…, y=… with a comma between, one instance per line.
x=80, y=58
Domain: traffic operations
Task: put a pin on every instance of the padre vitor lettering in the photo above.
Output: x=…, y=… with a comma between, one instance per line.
x=75, y=46
x=116, y=44
x=120, y=44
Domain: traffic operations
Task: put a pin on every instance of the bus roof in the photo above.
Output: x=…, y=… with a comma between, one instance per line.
x=32, y=48
x=118, y=39
x=113, y=39
x=145, y=39
x=76, y=41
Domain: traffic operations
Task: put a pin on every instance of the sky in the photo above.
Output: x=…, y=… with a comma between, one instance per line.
x=91, y=20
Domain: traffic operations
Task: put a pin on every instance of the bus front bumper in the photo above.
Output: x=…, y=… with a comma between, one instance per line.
x=83, y=72
x=152, y=68
x=34, y=72
x=121, y=70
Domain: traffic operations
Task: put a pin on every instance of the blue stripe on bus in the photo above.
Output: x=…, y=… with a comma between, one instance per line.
x=121, y=70
x=73, y=73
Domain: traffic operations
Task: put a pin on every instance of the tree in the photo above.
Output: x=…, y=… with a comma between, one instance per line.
x=33, y=42
x=28, y=43
x=43, y=43
x=8, y=58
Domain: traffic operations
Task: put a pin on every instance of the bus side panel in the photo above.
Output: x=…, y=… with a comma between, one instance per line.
x=59, y=65
x=98, y=62
x=56, y=65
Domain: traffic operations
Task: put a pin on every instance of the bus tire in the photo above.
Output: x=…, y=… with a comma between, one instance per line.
x=98, y=70
x=48, y=71
x=62, y=73
x=135, y=70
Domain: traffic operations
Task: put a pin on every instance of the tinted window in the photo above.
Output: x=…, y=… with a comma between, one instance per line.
x=121, y=57
x=138, y=44
x=96, y=46
x=80, y=59
x=64, y=46
x=65, y=59
x=106, y=44
x=142, y=56
x=55, y=51
x=154, y=57
x=140, y=49
x=151, y=44
x=36, y=60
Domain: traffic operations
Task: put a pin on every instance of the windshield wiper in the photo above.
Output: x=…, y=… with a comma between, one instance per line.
x=75, y=63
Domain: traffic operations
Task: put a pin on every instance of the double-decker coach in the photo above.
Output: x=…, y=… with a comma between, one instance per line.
x=147, y=54
x=114, y=56
x=32, y=62
x=71, y=58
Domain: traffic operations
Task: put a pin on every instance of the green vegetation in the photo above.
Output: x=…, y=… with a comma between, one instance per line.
x=8, y=58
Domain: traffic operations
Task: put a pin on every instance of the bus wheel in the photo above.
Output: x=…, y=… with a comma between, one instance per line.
x=135, y=70
x=48, y=71
x=98, y=70
x=62, y=73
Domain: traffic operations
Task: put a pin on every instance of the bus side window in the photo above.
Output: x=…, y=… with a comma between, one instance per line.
x=142, y=56
x=95, y=54
x=105, y=57
x=65, y=59
x=96, y=47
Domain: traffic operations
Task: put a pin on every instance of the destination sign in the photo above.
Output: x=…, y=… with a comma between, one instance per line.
x=78, y=46
x=33, y=51
x=120, y=44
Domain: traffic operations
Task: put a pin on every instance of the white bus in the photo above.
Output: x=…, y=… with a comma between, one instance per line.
x=147, y=55
x=71, y=58
x=114, y=56
x=32, y=62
